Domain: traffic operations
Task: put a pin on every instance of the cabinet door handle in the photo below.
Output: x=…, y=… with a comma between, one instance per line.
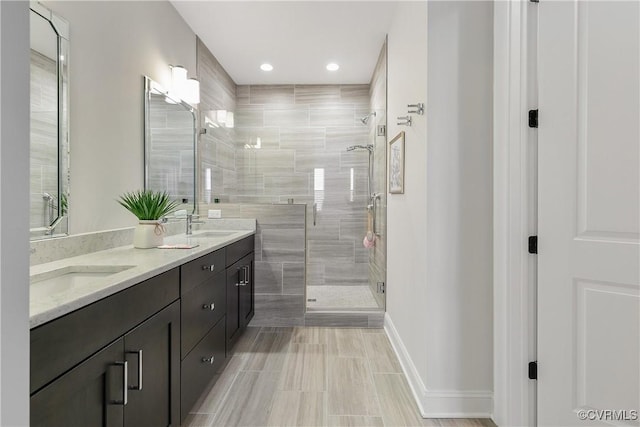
x=241, y=276
x=209, y=267
x=139, y=386
x=209, y=360
x=123, y=400
x=245, y=275
x=211, y=306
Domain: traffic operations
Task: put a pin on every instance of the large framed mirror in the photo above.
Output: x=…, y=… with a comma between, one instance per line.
x=49, y=124
x=170, y=146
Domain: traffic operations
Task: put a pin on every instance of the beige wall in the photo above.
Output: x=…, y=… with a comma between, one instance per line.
x=113, y=44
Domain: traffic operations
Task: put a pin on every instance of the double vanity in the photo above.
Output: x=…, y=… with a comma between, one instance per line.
x=134, y=337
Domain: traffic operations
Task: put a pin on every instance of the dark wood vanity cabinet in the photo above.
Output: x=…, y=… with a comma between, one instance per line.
x=81, y=397
x=132, y=381
x=152, y=353
x=240, y=288
x=203, y=302
x=240, y=298
x=143, y=356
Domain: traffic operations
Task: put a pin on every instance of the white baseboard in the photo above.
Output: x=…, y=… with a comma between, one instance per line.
x=438, y=404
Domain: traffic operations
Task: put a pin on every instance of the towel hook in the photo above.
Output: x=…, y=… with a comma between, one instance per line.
x=406, y=121
x=419, y=108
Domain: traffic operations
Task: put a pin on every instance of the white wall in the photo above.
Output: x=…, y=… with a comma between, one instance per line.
x=406, y=213
x=113, y=44
x=14, y=221
x=439, y=300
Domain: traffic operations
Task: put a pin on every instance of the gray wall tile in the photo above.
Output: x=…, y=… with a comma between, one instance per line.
x=318, y=94
x=293, y=278
x=271, y=94
x=309, y=161
x=302, y=139
x=332, y=116
x=290, y=184
x=283, y=245
x=356, y=94
x=249, y=116
x=289, y=116
x=258, y=138
x=346, y=274
x=328, y=251
x=268, y=277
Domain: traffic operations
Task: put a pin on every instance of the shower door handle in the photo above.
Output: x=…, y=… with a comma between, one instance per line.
x=315, y=213
x=375, y=199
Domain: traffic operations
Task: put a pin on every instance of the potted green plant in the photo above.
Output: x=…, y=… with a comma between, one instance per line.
x=149, y=207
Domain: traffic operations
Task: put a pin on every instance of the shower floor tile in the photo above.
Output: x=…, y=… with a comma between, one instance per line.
x=340, y=297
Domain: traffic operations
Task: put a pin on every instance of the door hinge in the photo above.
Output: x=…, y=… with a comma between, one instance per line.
x=533, y=118
x=533, y=370
x=533, y=244
x=381, y=287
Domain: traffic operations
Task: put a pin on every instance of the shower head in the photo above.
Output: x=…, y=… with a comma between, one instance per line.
x=361, y=147
x=366, y=118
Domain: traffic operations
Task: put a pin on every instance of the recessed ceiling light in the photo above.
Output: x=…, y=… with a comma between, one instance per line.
x=333, y=66
x=266, y=67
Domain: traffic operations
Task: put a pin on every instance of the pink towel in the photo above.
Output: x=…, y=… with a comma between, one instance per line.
x=369, y=243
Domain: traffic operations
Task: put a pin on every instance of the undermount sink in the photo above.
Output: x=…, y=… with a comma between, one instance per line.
x=214, y=233
x=75, y=275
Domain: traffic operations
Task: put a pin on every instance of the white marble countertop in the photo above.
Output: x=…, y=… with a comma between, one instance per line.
x=48, y=303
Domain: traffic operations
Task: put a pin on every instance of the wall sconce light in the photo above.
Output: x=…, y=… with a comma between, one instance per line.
x=182, y=88
x=192, y=91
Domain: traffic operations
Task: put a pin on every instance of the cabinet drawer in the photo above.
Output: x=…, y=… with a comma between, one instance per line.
x=61, y=344
x=197, y=371
x=237, y=250
x=197, y=271
x=197, y=313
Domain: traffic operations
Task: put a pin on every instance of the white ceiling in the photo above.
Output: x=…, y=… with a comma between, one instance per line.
x=299, y=38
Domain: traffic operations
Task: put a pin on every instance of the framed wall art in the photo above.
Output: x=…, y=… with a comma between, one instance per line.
x=396, y=164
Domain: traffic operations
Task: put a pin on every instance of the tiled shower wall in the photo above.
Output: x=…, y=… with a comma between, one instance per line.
x=291, y=143
x=44, y=136
x=280, y=233
x=378, y=254
x=216, y=147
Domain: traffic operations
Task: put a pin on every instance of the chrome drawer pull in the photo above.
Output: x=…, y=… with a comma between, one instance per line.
x=123, y=399
x=208, y=267
x=139, y=386
x=211, y=306
x=209, y=360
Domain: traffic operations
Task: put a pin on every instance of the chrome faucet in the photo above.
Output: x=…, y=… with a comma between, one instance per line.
x=190, y=223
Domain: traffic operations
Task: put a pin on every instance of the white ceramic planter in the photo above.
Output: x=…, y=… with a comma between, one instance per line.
x=148, y=234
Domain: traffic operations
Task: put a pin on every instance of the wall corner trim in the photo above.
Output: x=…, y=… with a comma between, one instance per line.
x=438, y=403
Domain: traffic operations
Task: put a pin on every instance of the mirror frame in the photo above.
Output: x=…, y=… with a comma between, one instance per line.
x=152, y=86
x=61, y=27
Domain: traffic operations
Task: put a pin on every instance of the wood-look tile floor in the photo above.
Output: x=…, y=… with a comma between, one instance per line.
x=314, y=377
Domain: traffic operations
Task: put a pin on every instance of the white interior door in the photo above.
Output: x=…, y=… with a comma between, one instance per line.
x=589, y=191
